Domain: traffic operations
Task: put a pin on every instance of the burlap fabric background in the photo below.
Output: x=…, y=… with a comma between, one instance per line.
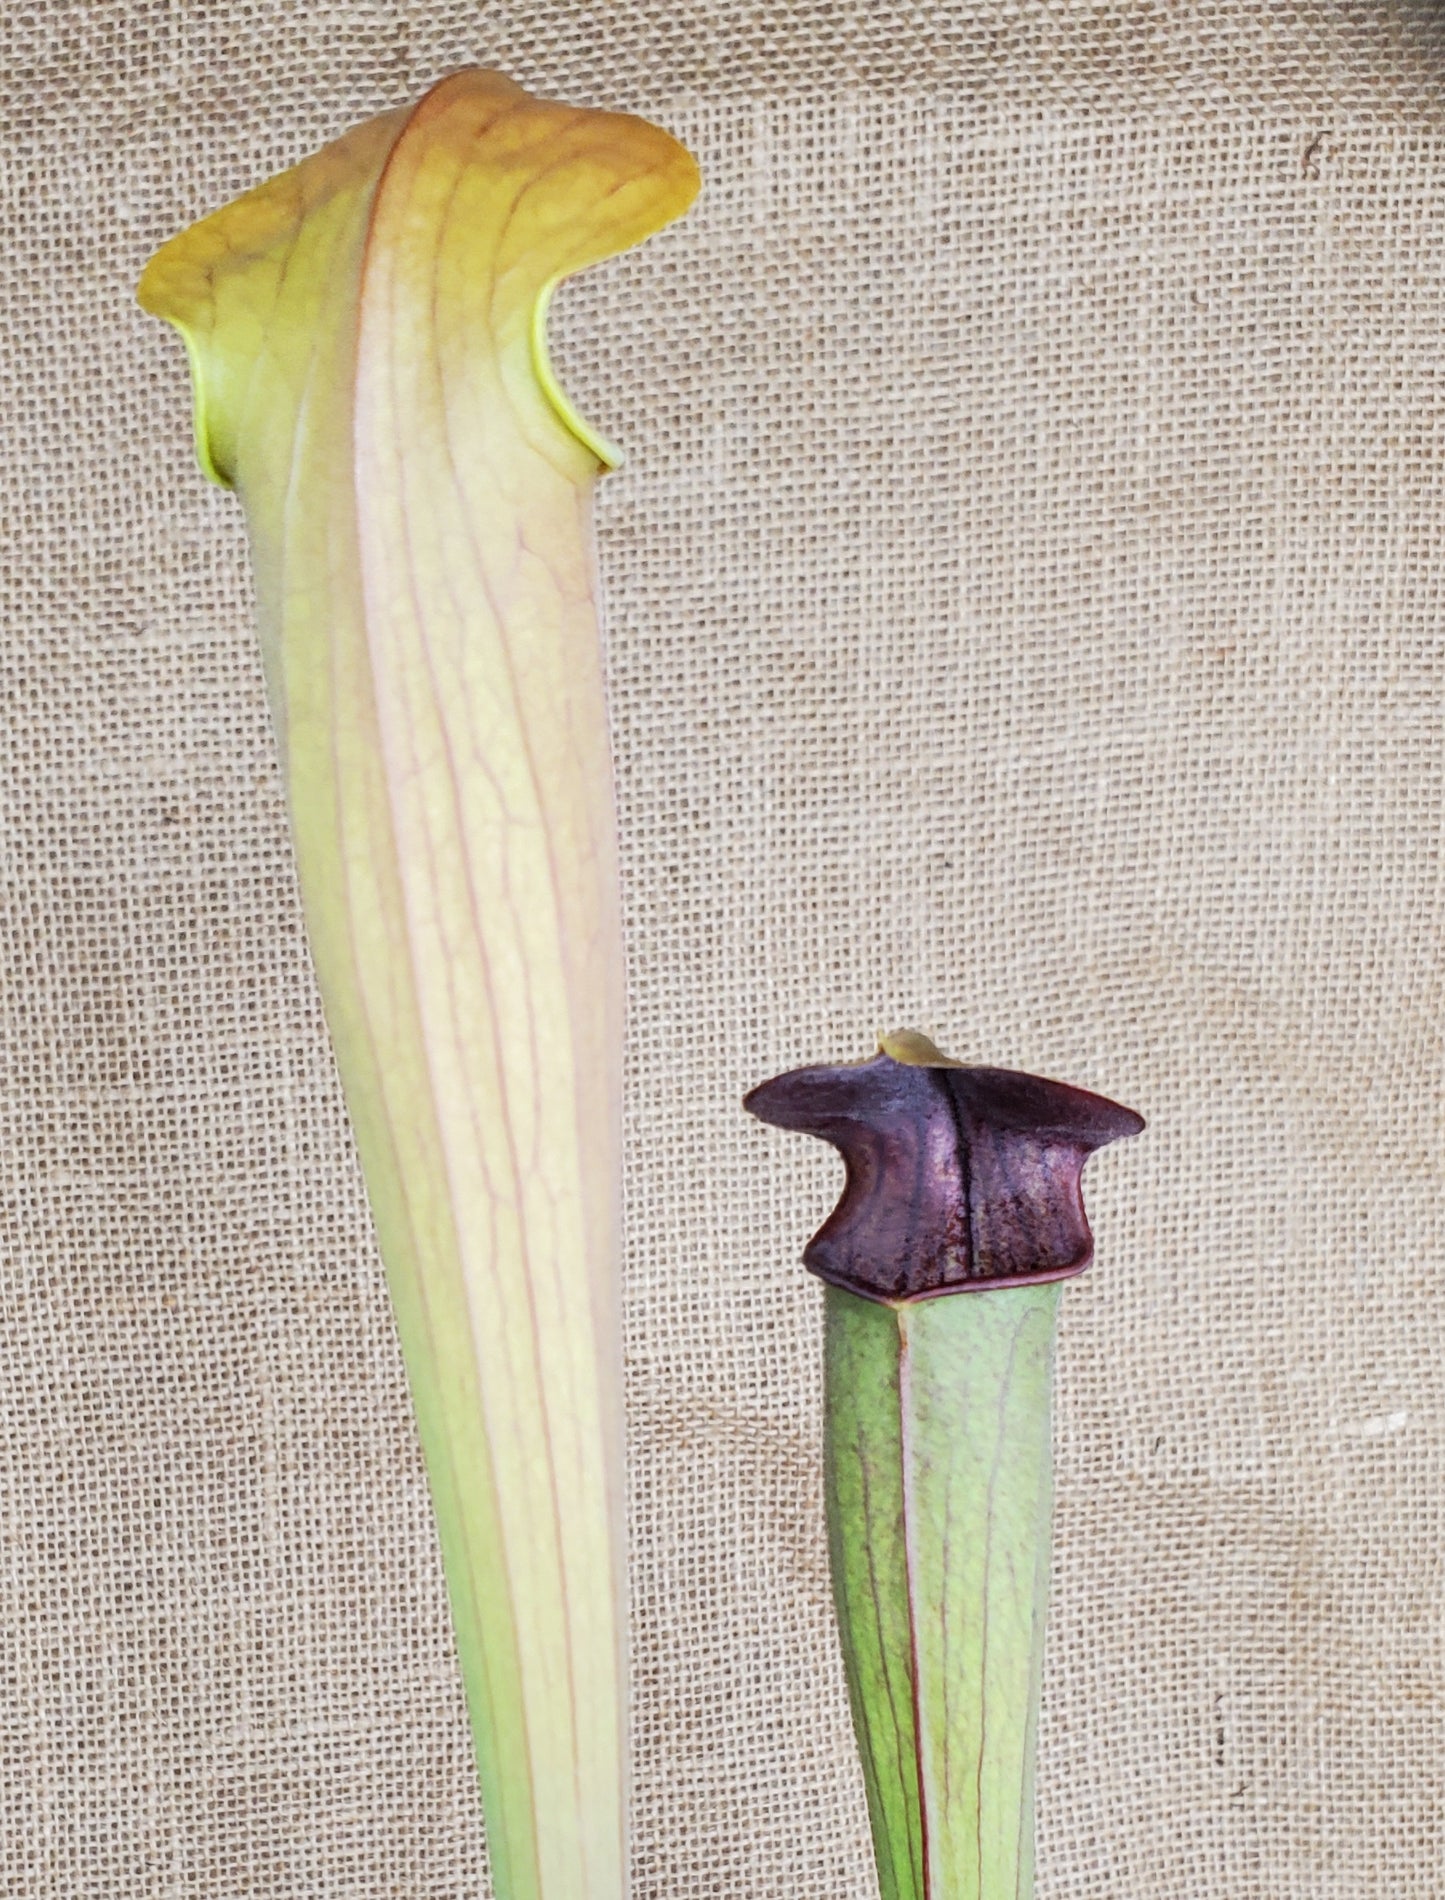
x=1025, y=598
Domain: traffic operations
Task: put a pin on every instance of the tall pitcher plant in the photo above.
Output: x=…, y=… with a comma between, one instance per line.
x=367, y=342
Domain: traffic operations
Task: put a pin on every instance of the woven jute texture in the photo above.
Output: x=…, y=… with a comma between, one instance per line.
x=1025, y=603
